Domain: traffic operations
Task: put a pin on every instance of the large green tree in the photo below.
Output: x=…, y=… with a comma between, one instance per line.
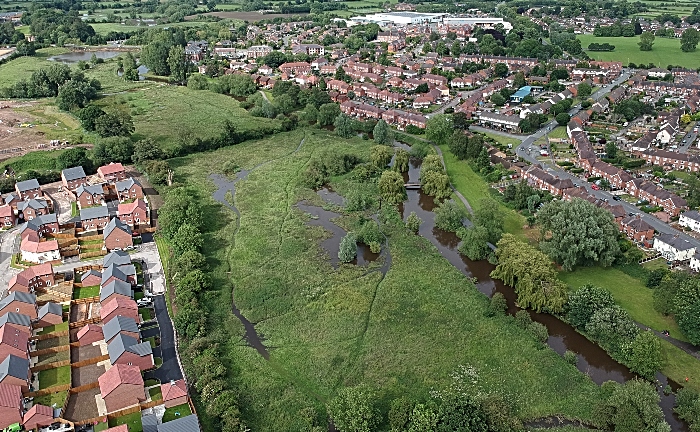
x=383, y=133
x=344, y=126
x=391, y=187
x=646, y=357
x=632, y=407
x=613, y=329
x=586, y=301
x=155, y=57
x=578, y=233
x=354, y=410
x=490, y=216
x=380, y=155
x=439, y=128
x=689, y=40
x=178, y=64
x=646, y=41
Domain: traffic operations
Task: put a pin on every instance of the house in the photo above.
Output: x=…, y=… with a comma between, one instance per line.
x=73, y=177
x=124, y=273
x=673, y=248
x=19, y=302
x=90, y=195
x=174, y=393
x=135, y=213
x=94, y=218
x=117, y=306
x=117, y=258
x=149, y=422
x=690, y=219
x=89, y=334
x=256, y=51
x=122, y=428
x=37, y=250
x=7, y=216
x=32, y=208
x=636, y=229
x=50, y=314
x=31, y=278
x=15, y=371
x=38, y=416
x=41, y=225
x=117, y=235
x=90, y=278
x=125, y=350
x=695, y=262
x=115, y=288
x=187, y=423
x=28, y=189
x=13, y=342
x=129, y=189
x=17, y=321
x=120, y=325
x=10, y=405
x=112, y=173
x=121, y=387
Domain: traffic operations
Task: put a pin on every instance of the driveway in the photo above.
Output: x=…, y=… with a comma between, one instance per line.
x=9, y=244
x=170, y=369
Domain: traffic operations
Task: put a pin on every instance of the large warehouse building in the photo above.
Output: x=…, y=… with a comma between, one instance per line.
x=399, y=18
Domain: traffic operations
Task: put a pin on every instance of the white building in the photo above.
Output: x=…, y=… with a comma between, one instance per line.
x=695, y=262
x=399, y=18
x=690, y=219
x=484, y=22
x=673, y=248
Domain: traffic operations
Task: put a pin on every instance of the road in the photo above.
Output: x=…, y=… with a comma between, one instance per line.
x=687, y=142
x=8, y=246
x=170, y=369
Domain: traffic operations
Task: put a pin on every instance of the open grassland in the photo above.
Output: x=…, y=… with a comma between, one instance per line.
x=657, y=7
x=162, y=112
x=22, y=67
x=666, y=51
x=403, y=334
x=104, y=28
x=106, y=73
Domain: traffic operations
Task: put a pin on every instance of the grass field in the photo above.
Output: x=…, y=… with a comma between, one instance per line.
x=403, y=334
x=175, y=413
x=665, y=52
x=22, y=67
x=54, y=398
x=54, y=377
x=104, y=28
x=84, y=292
x=133, y=422
x=503, y=139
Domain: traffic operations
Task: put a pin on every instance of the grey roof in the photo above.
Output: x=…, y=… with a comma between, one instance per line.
x=51, y=308
x=73, y=173
x=32, y=203
x=93, y=213
x=189, y=423
x=123, y=343
x=14, y=366
x=692, y=214
x=675, y=242
x=115, y=271
x=15, y=318
x=11, y=197
x=117, y=325
x=124, y=185
x=115, y=287
x=116, y=224
x=19, y=296
x=91, y=189
x=149, y=423
x=91, y=272
x=117, y=258
x=38, y=221
x=27, y=185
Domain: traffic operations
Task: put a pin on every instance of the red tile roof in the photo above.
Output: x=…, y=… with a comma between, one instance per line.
x=41, y=410
x=120, y=428
x=173, y=390
x=25, y=275
x=10, y=396
x=5, y=210
x=117, y=375
x=14, y=337
x=88, y=328
x=129, y=208
x=117, y=303
x=111, y=168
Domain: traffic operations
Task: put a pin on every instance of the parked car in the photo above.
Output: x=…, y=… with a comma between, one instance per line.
x=616, y=198
x=595, y=187
x=146, y=301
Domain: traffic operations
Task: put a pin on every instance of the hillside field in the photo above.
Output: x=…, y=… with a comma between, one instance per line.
x=665, y=52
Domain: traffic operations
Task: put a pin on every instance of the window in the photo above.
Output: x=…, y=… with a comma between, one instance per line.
x=17, y=309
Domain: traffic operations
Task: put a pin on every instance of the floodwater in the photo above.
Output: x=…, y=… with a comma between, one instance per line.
x=76, y=56
x=330, y=196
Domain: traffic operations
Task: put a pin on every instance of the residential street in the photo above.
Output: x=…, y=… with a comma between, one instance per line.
x=8, y=246
x=170, y=370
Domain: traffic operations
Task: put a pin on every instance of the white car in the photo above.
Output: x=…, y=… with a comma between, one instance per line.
x=144, y=301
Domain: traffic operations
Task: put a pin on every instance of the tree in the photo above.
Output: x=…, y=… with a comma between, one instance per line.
x=114, y=124
x=146, y=149
x=76, y=156
x=348, y=248
x=391, y=187
x=474, y=243
x=381, y=155
x=689, y=40
x=563, y=119
x=436, y=184
x=413, y=222
x=530, y=272
x=155, y=56
x=449, y=216
x=88, y=116
x=112, y=149
x=586, y=301
x=646, y=41
x=632, y=407
x=344, y=126
x=438, y=128
x=613, y=329
x=688, y=407
x=578, y=233
x=422, y=88
x=177, y=62
x=75, y=94
x=401, y=160
x=646, y=355
x=686, y=304
x=498, y=99
x=459, y=144
x=190, y=260
x=327, y=114
x=500, y=70
x=383, y=133
x=354, y=410
x=490, y=217
x=584, y=90
x=187, y=238
x=610, y=149
x=423, y=418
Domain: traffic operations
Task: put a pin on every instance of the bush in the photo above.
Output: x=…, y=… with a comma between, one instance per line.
x=571, y=357
x=498, y=305
x=348, y=248
x=539, y=331
x=522, y=319
x=413, y=222
x=448, y=216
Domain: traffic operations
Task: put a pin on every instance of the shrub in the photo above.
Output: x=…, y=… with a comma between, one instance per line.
x=348, y=248
x=571, y=357
x=498, y=305
x=522, y=319
x=413, y=222
x=539, y=331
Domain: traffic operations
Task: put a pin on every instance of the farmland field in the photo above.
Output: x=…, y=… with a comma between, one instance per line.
x=665, y=52
x=403, y=333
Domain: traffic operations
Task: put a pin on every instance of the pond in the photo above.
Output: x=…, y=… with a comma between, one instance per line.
x=76, y=56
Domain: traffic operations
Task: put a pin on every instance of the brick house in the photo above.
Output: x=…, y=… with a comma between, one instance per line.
x=118, y=306
x=636, y=229
x=38, y=416
x=115, y=288
x=50, y=314
x=129, y=189
x=94, y=218
x=120, y=325
x=32, y=277
x=73, y=177
x=19, y=302
x=117, y=235
x=13, y=342
x=125, y=350
x=121, y=387
x=89, y=334
x=15, y=371
x=117, y=258
x=28, y=189
x=37, y=250
x=17, y=321
x=174, y=393
x=112, y=173
x=10, y=405
x=7, y=216
x=32, y=208
x=90, y=195
x=91, y=278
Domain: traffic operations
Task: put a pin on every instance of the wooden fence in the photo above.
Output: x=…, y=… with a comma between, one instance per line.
x=52, y=350
x=94, y=254
x=83, y=300
x=145, y=229
x=64, y=243
x=91, y=247
x=63, y=236
x=47, y=366
x=85, y=387
x=48, y=391
x=70, y=253
x=90, y=361
x=83, y=237
x=84, y=322
x=83, y=269
x=50, y=335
